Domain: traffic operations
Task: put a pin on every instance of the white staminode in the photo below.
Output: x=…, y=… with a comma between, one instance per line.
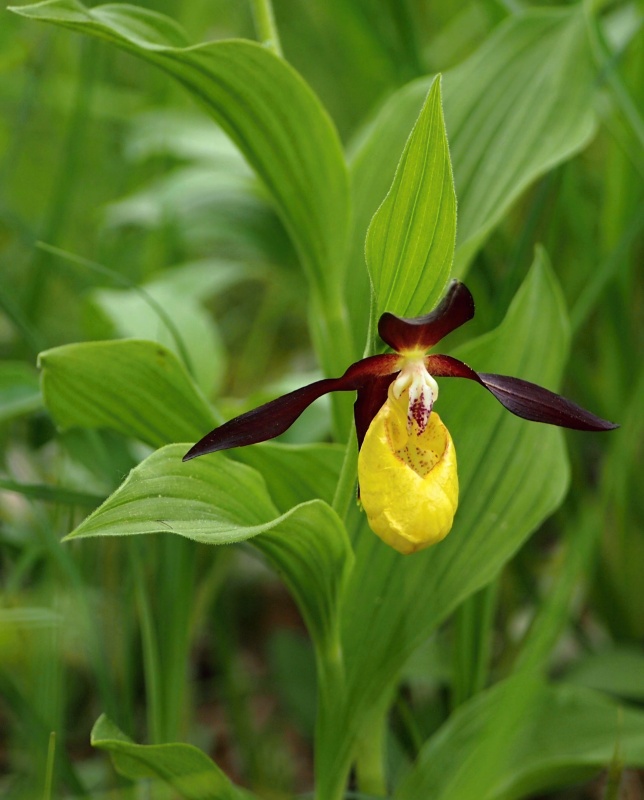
x=423, y=391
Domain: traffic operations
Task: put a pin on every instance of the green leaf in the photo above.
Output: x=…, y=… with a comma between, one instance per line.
x=513, y=474
x=410, y=241
x=618, y=671
x=536, y=73
x=180, y=292
x=19, y=390
x=137, y=388
x=295, y=473
x=564, y=735
x=215, y=500
x=516, y=108
x=263, y=105
x=185, y=768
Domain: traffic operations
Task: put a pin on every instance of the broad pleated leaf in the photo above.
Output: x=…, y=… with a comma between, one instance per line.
x=565, y=735
x=512, y=473
x=215, y=500
x=137, y=388
x=519, y=106
x=263, y=105
x=184, y=767
x=410, y=241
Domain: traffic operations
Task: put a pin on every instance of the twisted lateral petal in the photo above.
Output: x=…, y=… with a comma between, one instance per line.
x=525, y=399
x=408, y=481
x=271, y=419
x=420, y=333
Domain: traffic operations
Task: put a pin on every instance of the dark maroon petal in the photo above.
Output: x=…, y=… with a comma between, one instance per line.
x=273, y=418
x=449, y=367
x=421, y=333
x=533, y=402
x=525, y=399
x=371, y=398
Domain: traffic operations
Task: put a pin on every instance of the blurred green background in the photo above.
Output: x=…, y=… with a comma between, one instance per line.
x=104, y=158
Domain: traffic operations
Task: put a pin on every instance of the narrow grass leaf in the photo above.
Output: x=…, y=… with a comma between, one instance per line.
x=565, y=735
x=263, y=105
x=520, y=105
x=184, y=767
x=410, y=241
x=51, y=494
x=137, y=388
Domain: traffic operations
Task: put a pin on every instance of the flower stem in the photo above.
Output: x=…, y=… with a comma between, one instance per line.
x=345, y=490
x=474, y=623
x=370, y=763
x=265, y=25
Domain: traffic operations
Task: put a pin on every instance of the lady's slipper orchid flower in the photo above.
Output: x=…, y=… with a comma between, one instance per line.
x=407, y=465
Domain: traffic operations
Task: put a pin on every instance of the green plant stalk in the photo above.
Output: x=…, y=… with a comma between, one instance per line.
x=370, y=753
x=330, y=777
x=410, y=726
x=36, y=728
x=175, y=599
x=265, y=25
x=63, y=190
x=331, y=767
x=30, y=100
x=49, y=772
x=62, y=558
x=473, y=629
x=236, y=690
x=151, y=666
x=345, y=490
x=333, y=343
x=615, y=771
